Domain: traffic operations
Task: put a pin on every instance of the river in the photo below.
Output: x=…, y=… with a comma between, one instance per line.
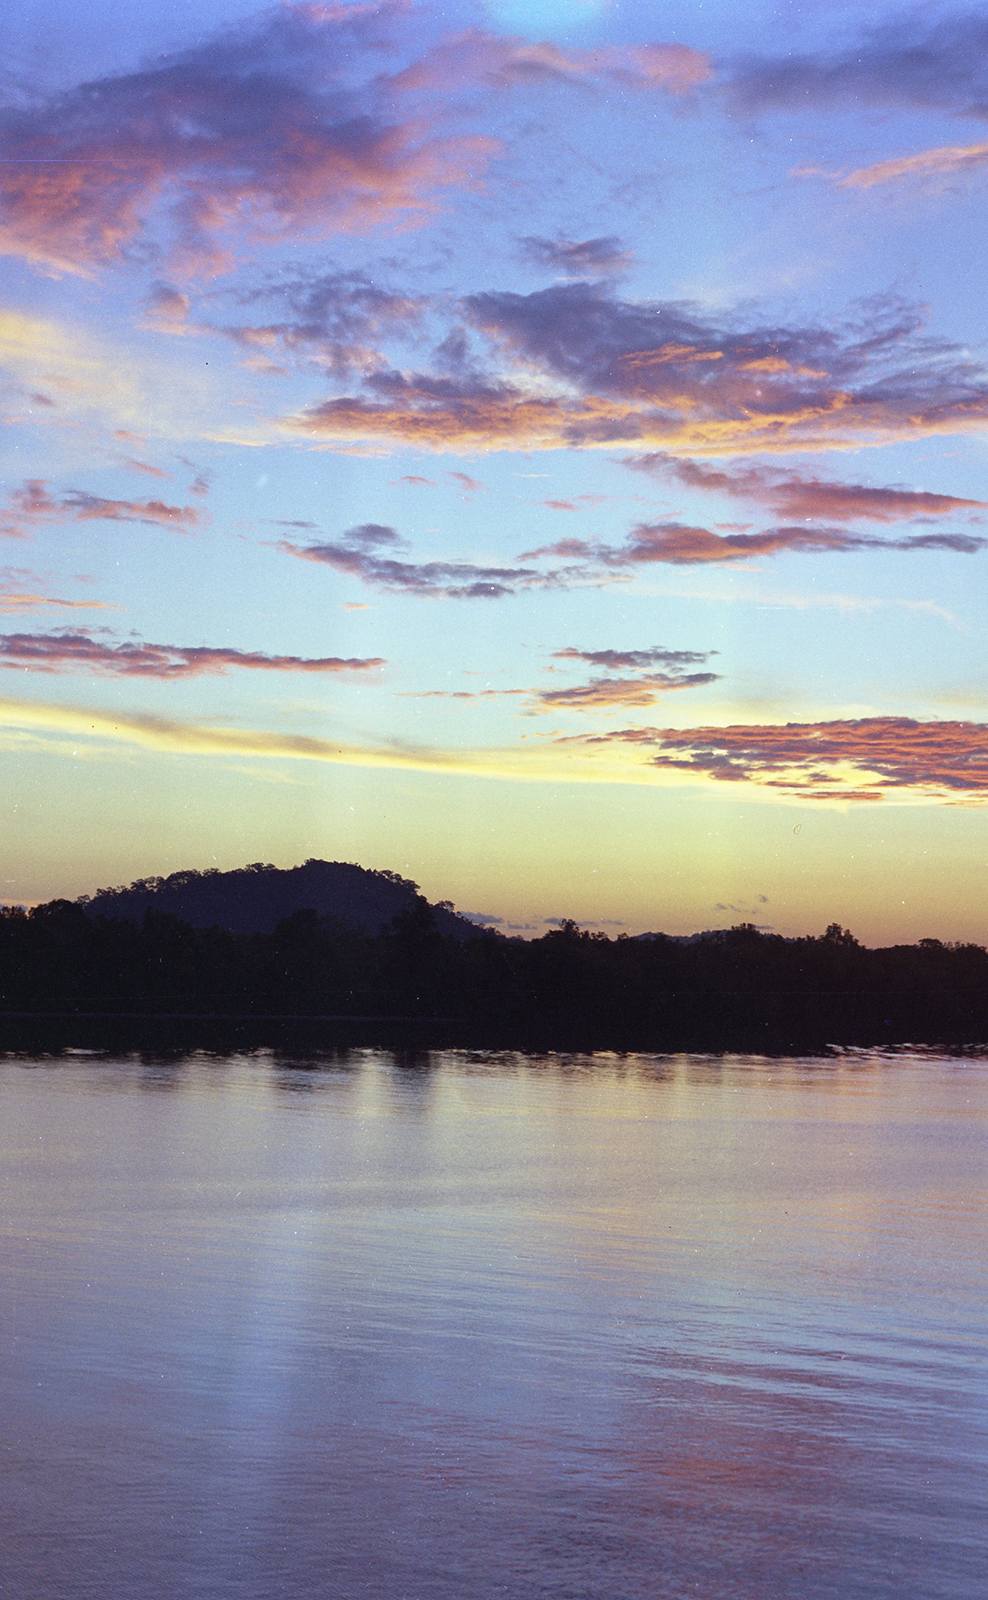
x=458, y=1325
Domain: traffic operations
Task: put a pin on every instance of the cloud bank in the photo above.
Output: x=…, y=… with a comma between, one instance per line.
x=575, y=366
x=303, y=120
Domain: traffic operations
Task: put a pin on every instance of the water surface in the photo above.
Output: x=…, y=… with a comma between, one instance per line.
x=458, y=1326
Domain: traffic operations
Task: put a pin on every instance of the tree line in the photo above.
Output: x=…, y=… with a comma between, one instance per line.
x=734, y=989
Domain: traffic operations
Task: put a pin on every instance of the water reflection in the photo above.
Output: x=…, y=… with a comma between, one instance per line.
x=482, y=1324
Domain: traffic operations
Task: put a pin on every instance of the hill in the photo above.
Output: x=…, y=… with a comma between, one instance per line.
x=254, y=899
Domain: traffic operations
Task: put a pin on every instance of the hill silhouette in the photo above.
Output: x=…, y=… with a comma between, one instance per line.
x=256, y=898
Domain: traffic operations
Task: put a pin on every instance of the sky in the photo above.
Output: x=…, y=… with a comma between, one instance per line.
x=538, y=449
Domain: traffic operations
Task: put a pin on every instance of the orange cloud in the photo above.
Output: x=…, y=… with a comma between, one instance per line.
x=945, y=161
x=19, y=591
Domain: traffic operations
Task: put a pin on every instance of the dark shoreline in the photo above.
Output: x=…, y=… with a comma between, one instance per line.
x=54, y=1033
x=68, y=979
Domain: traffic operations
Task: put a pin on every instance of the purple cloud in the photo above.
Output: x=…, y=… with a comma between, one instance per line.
x=577, y=258
x=64, y=651
x=276, y=126
x=838, y=760
x=920, y=60
x=574, y=365
x=681, y=544
x=624, y=660
x=33, y=504
x=796, y=494
x=370, y=551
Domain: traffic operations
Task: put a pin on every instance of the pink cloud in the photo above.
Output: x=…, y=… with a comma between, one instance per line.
x=681, y=544
x=478, y=59
x=33, y=504
x=607, y=694
x=278, y=126
x=65, y=652
x=467, y=484
x=795, y=494
x=838, y=760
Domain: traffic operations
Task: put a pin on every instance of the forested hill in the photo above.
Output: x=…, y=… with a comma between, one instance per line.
x=256, y=898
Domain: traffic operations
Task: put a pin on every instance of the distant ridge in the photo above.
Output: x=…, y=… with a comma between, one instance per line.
x=254, y=899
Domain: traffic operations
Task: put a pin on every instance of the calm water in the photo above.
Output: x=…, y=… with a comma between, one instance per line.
x=458, y=1327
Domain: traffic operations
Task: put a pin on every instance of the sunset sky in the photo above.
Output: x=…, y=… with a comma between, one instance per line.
x=537, y=448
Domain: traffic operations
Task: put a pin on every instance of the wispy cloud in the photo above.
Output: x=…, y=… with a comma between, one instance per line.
x=476, y=59
x=921, y=59
x=608, y=694
x=145, y=467
x=64, y=651
x=645, y=688
x=332, y=322
x=22, y=590
x=375, y=553
x=681, y=544
x=33, y=504
x=947, y=161
x=796, y=494
x=580, y=502
x=545, y=763
x=468, y=485
x=602, y=694
x=577, y=258
x=625, y=660
x=96, y=382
